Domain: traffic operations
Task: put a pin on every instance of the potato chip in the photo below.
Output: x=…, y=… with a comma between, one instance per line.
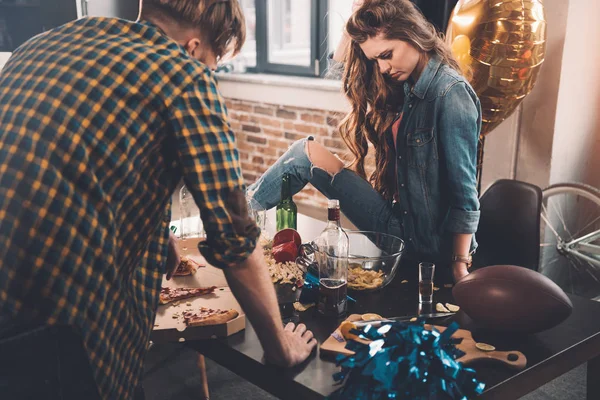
x=439, y=307
x=370, y=317
x=485, y=347
x=361, y=279
x=302, y=307
x=452, y=307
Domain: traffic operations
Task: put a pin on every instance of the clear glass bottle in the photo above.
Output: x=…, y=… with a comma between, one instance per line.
x=286, y=212
x=190, y=223
x=332, y=258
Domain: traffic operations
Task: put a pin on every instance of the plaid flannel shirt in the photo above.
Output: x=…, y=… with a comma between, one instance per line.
x=99, y=121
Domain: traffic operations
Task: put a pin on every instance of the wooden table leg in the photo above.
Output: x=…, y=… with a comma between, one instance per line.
x=203, y=377
x=593, y=378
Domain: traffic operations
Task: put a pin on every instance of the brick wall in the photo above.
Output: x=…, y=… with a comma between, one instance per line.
x=265, y=131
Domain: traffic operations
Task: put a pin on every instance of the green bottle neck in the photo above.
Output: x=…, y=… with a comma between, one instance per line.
x=286, y=190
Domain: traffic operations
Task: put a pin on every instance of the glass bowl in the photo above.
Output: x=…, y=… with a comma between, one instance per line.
x=372, y=260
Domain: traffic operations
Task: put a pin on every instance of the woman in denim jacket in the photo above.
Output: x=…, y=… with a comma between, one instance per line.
x=410, y=102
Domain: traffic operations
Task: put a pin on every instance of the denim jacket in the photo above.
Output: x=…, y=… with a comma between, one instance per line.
x=436, y=153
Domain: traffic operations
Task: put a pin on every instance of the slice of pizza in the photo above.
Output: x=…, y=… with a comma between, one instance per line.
x=186, y=267
x=208, y=316
x=169, y=295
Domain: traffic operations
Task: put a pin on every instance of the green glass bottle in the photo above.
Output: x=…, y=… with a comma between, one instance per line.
x=287, y=212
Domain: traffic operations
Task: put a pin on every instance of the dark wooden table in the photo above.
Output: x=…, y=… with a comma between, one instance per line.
x=549, y=354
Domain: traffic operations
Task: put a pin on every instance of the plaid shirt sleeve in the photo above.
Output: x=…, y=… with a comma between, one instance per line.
x=211, y=169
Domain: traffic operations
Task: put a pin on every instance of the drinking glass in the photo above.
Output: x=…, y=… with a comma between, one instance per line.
x=426, y=273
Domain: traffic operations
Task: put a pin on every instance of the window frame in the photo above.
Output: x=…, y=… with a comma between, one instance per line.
x=318, y=43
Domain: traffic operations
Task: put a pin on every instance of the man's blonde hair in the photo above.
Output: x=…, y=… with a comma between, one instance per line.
x=221, y=22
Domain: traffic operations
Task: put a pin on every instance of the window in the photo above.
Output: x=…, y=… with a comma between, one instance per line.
x=289, y=39
x=247, y=57
x=285, y=37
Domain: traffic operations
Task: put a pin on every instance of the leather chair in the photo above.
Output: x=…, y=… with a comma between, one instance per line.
x=509, y=226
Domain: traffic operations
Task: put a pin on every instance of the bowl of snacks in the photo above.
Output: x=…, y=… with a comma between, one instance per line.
x=373, y=258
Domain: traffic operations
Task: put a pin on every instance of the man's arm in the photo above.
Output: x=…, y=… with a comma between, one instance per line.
x=252, y=286
x=209, y=160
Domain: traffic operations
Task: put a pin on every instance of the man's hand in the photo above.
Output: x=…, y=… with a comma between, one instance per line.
x=252, y=287
x=299, y=344
x=173, y=258
x=459, y=271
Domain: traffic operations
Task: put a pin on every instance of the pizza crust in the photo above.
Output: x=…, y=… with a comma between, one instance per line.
x=223, y=316
x=186, y=267
x=167, y=294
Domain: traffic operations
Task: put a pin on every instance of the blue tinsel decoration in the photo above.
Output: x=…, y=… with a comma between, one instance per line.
x=405, y=361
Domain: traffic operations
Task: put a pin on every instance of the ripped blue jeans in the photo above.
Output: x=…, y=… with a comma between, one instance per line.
x=363, y=206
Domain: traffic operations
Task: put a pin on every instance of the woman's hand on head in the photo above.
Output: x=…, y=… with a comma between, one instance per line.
x=357, y=4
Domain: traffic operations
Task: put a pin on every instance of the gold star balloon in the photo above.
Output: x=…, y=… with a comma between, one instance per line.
x=501, y=44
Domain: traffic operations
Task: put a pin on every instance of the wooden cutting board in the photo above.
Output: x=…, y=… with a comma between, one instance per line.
x=512, y=359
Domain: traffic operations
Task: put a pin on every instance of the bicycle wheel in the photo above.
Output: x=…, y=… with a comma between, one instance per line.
x=570, y=238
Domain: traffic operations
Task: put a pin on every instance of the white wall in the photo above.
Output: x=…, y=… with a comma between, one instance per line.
x=521, y=147
x=576, y=150
x=3, y=59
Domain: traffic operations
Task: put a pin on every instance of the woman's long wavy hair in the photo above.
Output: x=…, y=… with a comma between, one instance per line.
x=374, y=97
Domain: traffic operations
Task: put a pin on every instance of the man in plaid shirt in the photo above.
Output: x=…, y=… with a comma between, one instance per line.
x=99, y=121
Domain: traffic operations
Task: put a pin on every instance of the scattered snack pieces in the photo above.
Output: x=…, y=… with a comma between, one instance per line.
x=370, y=317
x=452, y=307
x=439, y=307
x=302, y=307
x=361, y=279
x=265, y=242
x=435, y=288
x=413, y=319
x=485, y=347
x=404, y=281
x=282, y=273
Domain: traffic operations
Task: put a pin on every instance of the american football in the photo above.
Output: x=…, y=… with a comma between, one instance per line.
x=512, y=299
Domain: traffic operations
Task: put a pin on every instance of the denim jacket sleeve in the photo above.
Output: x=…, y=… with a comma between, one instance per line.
x=335, y=69
x=458, y=130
